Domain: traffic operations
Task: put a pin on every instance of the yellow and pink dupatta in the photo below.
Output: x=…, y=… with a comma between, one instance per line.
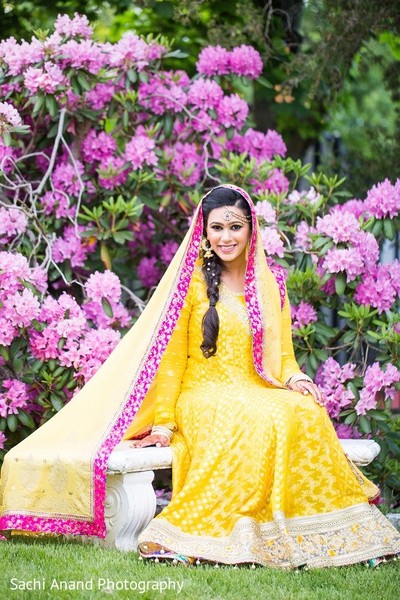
x=55, y=480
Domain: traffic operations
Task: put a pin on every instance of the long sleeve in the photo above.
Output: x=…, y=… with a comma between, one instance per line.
x=289, y=363
x=171, y=370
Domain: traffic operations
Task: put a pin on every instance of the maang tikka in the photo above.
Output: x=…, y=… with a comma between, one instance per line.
x=206, y=247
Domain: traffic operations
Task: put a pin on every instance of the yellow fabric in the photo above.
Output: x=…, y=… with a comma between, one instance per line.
x=250, y=458
x=49, y=473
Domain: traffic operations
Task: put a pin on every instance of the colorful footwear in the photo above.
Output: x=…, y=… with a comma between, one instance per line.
x=157, y=553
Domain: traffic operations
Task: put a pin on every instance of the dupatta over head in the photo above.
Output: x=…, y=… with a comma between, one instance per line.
x=54, y=481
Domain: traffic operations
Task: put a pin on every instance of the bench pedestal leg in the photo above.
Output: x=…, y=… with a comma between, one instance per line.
x=130, y=506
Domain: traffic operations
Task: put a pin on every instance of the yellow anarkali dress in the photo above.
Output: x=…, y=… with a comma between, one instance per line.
x=258, y=472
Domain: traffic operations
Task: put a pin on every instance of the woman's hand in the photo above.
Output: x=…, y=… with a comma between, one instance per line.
x=308, y=387
x=154, y=439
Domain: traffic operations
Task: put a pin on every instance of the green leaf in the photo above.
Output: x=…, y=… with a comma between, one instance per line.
x=107, y=307
x=83, y=81
x=168, y=124
x=340, y=283
x=353, y=388
x=350, y=419
x=52, y=106
x=122, y=236
x=377, y=228
x=365, y=424
x=265, y=83
x=394, y=448
x=26, y=419
x=389, y=229
x=132, y=75
x=12, y=422
x=37, y=107
x=56, y=402
x=4, y=353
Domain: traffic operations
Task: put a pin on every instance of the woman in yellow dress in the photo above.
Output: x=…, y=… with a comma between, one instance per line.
x=258, y=472
x=259, y=475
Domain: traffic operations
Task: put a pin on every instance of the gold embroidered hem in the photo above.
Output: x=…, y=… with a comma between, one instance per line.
x=341, y=537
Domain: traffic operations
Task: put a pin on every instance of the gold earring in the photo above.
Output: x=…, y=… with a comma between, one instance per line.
x=206, y=247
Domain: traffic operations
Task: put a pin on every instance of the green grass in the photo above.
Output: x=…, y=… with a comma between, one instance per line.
x=24, y=560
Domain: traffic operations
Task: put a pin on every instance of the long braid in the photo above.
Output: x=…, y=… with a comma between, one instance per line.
x=212, y=269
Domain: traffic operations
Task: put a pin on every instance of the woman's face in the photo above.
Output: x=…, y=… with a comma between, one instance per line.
x=228, y=239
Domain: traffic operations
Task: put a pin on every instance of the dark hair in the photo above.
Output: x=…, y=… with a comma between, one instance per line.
x=212, y=267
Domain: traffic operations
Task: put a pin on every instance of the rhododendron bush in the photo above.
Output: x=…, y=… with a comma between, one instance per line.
x=105, y=153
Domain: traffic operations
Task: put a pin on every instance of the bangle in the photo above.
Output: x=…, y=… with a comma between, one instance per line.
x=298, y=377
x=161, y=430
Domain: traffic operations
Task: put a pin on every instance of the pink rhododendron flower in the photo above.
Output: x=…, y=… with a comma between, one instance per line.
x=7, y=332
x=206, y=94
x=309, y=197
x=355, y=207
x=331, y=378
x=71, y=247
x=340, y=226
x=21, y=308
x=44, y=344
x=246, y=62
x=97, y=146
x=57, y=203
x=140, y=150
x=164, y=92
x=53, y=310
x=103, y=285
x=39, y=279
x=213, y=60
x=13, y=267
x=77, y=26
x=243, y=60
x=17, y=55
x=346, y=431
x=276, y=183
x=112, y=172
x=367, y=246
x=303, y=314
x=266, y=211
x=383, y=200
x=7, y=156
x=133, y=52
x=346, y=260
x=167, y=251
x=94, y=312
x=258, y=145
x=100, y=96
x=377, y=288
x=302, y=238
x=92, y=350
x=66, y=177
x=148, y=271
x=272, y=242
x=13, y=222
x=47, y=79
x=3, y=440
x=376, y=380
x=232, y=111
x=84, y=54
x=14, y=398
x=9, y=116
x=185, y=164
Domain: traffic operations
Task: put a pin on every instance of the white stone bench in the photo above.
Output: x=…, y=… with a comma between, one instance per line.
x=131, y=500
